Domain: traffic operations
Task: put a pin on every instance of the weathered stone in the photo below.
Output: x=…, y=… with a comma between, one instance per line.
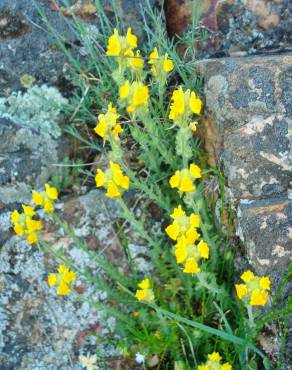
x=249, y=111
x=265, y=228
x=30, y=142
x=28, y=46
x=235, y=26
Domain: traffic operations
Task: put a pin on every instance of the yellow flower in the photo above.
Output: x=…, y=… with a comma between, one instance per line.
x=160, y=66
x=182, y=224
x=124, y=90
x=215, y=356
x=203, y=249
x=255, y=290
x=241, y=290
x=107, y=126
x=247, y=276
x=189, y=254
x=135, y=62
x=25, y=225
x=265, y=283
x=183, y=180
x=214, y=363
x=121, y=45
x=258, y=297
x=136, y=96
x=45, y=199
x=184, y=105
x=113, y=180
x=63, y=280
x=145, y=293
x=191, y=266
x=226, y=366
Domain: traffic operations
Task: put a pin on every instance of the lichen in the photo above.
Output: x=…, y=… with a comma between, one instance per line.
x=38, y=109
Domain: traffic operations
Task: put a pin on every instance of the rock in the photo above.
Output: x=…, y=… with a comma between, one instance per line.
x=265, y=229
x=249, y=110
x=245, y=128
x=30, y=142
x=234, y=26
x=39, y=329
x=27, y=47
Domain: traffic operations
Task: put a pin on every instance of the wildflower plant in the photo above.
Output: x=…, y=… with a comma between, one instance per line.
x=186, y=307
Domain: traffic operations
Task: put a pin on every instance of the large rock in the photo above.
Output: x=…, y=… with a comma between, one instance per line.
x=234, y=26
x=245, y=128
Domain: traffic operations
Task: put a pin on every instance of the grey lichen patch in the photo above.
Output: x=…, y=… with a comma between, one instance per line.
x=12, y=24
x=38, y=108
x=38, y=329
x=26, y=160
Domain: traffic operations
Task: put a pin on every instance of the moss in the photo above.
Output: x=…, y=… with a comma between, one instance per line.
x=38, y=109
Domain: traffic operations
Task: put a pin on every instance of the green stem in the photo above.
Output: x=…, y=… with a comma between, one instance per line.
x=250, y=316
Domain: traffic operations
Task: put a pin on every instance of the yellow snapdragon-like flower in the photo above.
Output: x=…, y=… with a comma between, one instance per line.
x=255, y=290
x=214, y=363
x=63, y=280
x=45, y=199
x=189, y=254
x=121, y=45
x=160, y=65
x=135, y=62
x=182, y=224
x=107, y=126
x=113, y=180
x=184, y=180
x=25, y=225
x=145, y=293
x=184, y=105
x=136, y=96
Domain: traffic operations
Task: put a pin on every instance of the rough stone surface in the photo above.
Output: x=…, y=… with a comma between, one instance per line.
x=250, y=109
x=235, y=26
x=26, y=160
x=265, y=227
x=246, y=129
x=28, y=49
x=39, y=330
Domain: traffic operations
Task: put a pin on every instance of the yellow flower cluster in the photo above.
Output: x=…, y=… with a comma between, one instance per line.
x=46, y=198
x=160, y=65
x=107, y=126
x=184, y=105
x=113, y=180
x=184, y=231
x=182, y=225
x=121, y=45
x=63, y=279
x=214, y=363
x=25, y=225
x=184, y=180
x=255, y=290
x=145, y=293
x=136, y=96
